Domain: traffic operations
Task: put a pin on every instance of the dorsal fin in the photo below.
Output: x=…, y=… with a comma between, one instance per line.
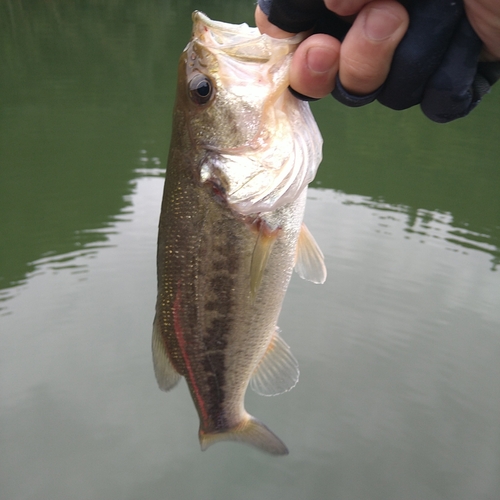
x=310, y=262
x=277, y=371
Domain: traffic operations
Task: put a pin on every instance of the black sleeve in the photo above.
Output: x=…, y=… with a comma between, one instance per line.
x=436, y=64
x=293, y=16
x=418, y=56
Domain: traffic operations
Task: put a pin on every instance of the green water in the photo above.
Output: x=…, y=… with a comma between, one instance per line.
x=399, y=396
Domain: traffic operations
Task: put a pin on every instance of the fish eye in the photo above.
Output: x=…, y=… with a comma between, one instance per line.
x=201, y=89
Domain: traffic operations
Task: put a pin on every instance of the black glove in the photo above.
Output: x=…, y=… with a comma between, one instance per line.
x=436, y=64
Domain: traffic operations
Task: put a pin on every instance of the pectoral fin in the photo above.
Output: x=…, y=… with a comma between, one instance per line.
x=277, y=371
x=310, y=263
x=260, y=256
x=166, y=375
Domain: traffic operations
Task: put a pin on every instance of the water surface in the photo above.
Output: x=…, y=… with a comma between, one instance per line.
x=399, y=394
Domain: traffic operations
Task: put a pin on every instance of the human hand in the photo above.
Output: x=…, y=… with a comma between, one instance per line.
x=362, y=60
x=435, y=64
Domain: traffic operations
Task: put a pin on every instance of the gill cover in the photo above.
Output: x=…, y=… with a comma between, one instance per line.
x=271, y=146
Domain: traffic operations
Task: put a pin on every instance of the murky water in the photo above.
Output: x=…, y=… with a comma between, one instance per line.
x=399, y=396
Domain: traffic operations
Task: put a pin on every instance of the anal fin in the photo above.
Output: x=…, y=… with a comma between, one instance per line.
x=277, y=371
x=310, y=262
x=166, y=375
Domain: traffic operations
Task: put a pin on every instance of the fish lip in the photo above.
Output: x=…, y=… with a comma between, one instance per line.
x=245, y=33
x=200, y=17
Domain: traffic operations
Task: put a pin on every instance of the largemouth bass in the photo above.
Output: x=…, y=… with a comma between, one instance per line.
x=242, y=152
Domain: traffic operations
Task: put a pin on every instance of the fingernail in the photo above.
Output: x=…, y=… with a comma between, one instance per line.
x=319, y=59
x=379, y=25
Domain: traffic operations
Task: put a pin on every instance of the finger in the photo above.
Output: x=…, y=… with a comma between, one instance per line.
x=268, y=28
x=484, y=16
x=314, y=66
x=346, y=7
x=367, y=50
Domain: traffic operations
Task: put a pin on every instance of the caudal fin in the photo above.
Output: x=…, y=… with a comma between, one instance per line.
x=250, y=431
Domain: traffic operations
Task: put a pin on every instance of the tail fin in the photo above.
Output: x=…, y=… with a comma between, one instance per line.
x=250, y=431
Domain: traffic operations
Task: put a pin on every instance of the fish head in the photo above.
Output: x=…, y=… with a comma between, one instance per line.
x=259, y=145
x=233, y=74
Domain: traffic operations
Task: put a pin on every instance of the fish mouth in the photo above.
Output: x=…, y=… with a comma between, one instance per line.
x=240, y=40
x=233, y=55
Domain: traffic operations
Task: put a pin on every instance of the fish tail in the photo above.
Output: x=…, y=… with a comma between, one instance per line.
x=250, y=431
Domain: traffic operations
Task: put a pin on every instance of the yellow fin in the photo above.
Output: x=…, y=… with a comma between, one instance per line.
x=260, y=256
x=249, y=431
x=277, y=371
x=310, y=263
x=166, y=375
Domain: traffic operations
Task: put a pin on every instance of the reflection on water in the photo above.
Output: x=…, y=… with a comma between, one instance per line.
x=432, y=224
x=422, y=225
x=87, y=93
x=399, y=394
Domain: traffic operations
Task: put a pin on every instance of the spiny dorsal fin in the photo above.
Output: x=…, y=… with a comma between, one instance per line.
x=260, y=256
x=166, y=375
x=277, y=371
x=310, y=264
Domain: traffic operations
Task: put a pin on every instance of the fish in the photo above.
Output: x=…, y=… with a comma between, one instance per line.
x=243, y=150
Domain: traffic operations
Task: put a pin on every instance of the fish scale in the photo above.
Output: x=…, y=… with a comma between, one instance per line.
x=223, y=270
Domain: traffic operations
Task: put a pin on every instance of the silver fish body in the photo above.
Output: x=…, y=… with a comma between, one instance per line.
x=242, y=152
